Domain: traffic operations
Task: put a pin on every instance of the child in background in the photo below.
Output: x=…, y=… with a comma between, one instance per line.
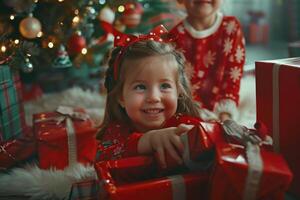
x=148, y=102
x=215, y=46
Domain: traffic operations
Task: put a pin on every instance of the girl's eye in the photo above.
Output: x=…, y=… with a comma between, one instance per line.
x=139, y=87
x=165, y=86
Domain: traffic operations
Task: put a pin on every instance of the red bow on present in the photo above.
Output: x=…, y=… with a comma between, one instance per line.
x=124, y=41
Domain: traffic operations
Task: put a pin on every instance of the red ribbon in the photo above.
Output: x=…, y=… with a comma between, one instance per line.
x=124, y=41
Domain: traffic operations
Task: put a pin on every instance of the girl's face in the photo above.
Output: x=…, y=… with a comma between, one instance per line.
x=150, y=91
x=201, y=8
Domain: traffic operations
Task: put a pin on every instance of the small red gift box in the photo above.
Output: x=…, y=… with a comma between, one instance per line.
x=64, y=139
x=278, y=97
x=143, y=184
x=198, y=149
x=235, y=177
x=17, y=150
x=258, y=33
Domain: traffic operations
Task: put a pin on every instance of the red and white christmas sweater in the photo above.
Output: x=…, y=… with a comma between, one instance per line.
x=217, y=57
x=120, y=139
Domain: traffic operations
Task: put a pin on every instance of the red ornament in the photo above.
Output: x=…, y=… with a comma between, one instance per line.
x=76, y=43
x=132, y=14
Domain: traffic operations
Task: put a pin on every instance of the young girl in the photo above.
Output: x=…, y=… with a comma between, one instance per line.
x=148, y=102
x=214, y=45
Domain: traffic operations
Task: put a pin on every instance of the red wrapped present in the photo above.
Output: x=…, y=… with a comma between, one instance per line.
x=198, y=148
x=12, y=119
x=17, y=150
x=64, y=138
x=260, y=175
x=278, y=97
x=31, y=92
x=145, y=186
x=84, y=190
x=258, y=33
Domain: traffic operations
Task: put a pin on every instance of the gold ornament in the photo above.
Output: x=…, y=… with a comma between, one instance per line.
x=30, y=27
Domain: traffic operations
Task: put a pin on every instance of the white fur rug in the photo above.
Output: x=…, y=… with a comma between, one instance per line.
x=52, y=184
x=41, y=184
x=92, y=102
x=56, y=184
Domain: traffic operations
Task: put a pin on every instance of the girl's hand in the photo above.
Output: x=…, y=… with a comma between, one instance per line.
x=224, y=116
x=161, y=140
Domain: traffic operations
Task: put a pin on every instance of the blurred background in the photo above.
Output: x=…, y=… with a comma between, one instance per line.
x=271, y=27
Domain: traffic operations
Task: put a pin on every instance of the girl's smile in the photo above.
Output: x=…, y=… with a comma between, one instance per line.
x=150, y=91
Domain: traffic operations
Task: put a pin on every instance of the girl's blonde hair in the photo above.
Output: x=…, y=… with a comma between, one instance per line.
x=141, y=49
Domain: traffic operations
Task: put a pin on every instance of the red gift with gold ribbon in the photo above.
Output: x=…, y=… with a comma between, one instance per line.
x=143, y=183
x=64, y=138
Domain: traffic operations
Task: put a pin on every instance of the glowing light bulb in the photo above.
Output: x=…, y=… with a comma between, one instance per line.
x=50, y=45
x=121, y=8
x=3, y=48
x=75, y=19
x=84, y=51
x=40, y=34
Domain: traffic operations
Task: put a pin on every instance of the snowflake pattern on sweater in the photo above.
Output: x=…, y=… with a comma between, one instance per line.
x=217, y=57
x=120, y=139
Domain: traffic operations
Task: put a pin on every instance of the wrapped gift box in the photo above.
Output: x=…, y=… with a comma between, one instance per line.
x=12, y=119
x=84, y=190
x=258, y=33
x=278, y=97
x=134, y=178
x=198, y=149
x=64, y=140
x=233, y=178
x=16, y=150
x=12, y=122
x=5, y=74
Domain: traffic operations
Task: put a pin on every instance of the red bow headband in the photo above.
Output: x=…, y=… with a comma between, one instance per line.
x=124, y=41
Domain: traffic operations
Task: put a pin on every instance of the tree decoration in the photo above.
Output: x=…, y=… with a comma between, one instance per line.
x=30, y=27
x=28, y=67
x=49, y=39
x=76, y=43
x=132, y=14
x=62, y=60
x=106, y=14
x=106, y=19
x=90, y=12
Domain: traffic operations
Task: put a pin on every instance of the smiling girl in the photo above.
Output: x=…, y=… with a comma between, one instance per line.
x=149, y=101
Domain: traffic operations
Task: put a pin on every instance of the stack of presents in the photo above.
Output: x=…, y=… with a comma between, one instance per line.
x=221, y=160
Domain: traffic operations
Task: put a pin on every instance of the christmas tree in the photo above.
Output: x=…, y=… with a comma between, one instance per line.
x=64, y=41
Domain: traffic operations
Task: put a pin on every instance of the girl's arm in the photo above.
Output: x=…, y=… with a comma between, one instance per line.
x=118, y=143
x=228, y=99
